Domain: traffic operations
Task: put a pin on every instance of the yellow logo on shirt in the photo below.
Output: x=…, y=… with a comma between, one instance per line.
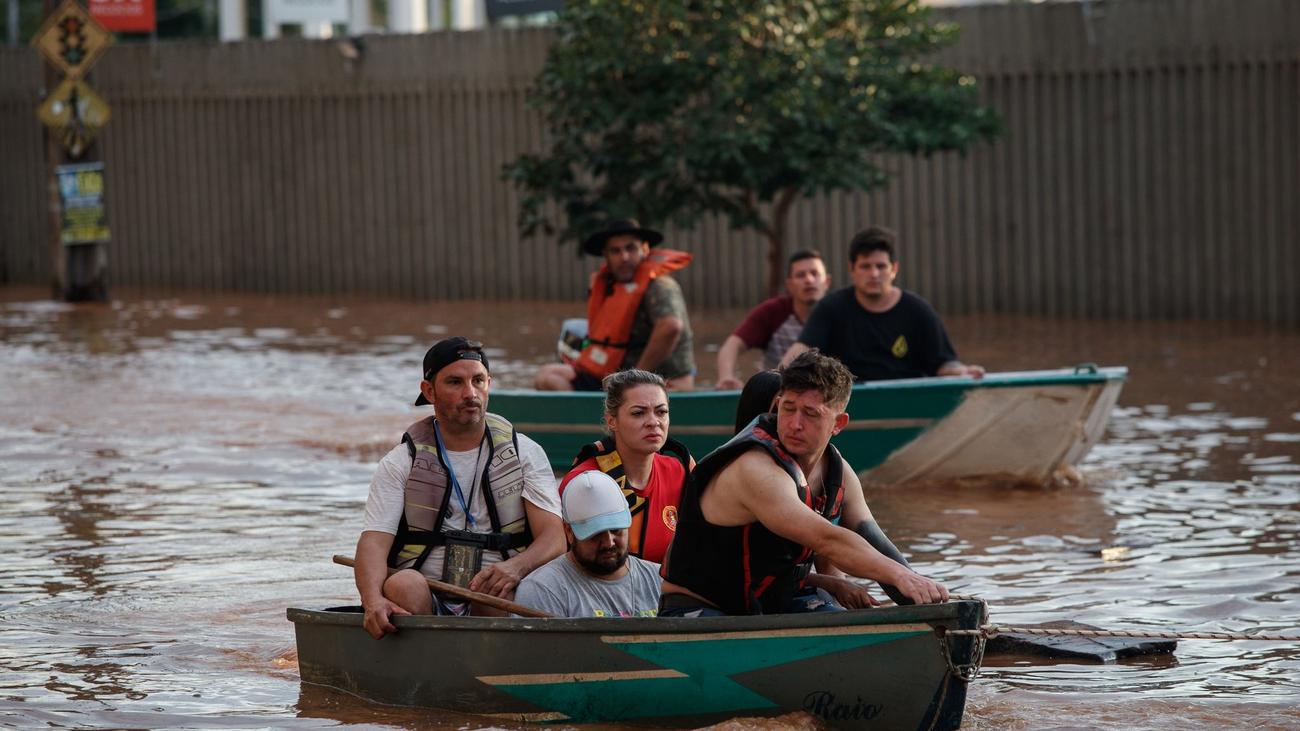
x=670, y=517
x=900, y=347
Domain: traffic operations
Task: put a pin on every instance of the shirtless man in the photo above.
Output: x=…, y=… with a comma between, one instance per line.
x=759, y=509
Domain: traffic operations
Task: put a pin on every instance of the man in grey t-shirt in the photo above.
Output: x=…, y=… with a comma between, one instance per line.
x=596, y=578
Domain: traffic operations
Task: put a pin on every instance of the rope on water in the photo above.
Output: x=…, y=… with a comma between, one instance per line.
x=990, y=630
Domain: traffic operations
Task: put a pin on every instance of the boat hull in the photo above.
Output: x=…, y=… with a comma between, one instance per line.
x=1022, y=427
x=870, y=669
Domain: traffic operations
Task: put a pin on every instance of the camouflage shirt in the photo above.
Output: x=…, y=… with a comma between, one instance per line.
x=663, y=298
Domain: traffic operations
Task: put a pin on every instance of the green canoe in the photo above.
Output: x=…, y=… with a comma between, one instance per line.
x=888, y=668
x=1022, y=427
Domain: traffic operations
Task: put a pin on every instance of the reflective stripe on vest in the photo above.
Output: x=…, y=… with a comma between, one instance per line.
x=611, y=310
x=427, y=499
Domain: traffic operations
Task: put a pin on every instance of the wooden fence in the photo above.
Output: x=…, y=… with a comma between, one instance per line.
x=1149, y=169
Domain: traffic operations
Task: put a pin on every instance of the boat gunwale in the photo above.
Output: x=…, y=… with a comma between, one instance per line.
x=951, y=612
x=1006, y=379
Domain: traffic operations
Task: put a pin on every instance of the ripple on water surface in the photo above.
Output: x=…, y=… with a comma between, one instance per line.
x=178, y=470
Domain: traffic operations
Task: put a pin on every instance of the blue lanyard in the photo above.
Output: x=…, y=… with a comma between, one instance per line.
x=455, y=484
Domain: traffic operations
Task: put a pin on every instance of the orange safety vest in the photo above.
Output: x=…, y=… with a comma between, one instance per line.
x=611, y=309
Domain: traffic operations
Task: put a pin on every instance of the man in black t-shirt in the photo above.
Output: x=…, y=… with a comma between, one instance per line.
x=876, y=329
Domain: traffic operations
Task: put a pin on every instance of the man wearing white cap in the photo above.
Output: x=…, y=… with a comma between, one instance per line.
x=597, y=577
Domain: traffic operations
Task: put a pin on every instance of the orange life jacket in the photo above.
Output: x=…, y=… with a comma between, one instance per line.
x=611, y=309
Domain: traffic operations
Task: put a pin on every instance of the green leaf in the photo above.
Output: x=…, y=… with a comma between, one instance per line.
x=671, y=111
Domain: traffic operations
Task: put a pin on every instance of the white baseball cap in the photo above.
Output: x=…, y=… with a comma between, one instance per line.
x=593, y=502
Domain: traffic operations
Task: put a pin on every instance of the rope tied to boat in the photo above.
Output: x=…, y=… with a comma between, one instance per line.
x=979, y=636
x=990, y=630
x=969, y=670
x=966, y=671
x=987, y=630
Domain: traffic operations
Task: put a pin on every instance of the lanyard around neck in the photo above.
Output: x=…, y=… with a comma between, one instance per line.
x=455, y=483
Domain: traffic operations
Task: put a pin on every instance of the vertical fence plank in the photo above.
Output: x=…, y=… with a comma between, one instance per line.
x=440, y=194
x=1251, y=195
x=1139, y=154
x=153, y=235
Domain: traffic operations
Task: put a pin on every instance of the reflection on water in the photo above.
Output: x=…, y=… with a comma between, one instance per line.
x=178, y=470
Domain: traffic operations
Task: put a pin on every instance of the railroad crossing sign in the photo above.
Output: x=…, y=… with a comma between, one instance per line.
x=71, y=39
x=76, y=113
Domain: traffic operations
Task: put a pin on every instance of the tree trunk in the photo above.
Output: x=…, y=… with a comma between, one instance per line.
x=775, y=254
x=776, y=241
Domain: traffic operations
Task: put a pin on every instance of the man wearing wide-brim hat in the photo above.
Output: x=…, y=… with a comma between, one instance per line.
x=636, y=314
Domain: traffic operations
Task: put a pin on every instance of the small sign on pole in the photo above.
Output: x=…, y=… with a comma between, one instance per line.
x=81, y=190
x=76, y=114
x=72, y=40
x=130, y=16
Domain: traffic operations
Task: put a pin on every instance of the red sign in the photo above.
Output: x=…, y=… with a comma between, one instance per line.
x=131, y=16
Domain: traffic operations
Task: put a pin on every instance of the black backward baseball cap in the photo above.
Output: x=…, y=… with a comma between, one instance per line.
x=448, y=351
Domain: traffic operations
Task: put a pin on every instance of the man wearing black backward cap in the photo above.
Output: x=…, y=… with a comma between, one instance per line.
x=464, y=498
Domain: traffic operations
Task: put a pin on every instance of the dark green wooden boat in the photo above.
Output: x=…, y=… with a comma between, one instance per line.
x=886, y=668
x=1022, y=427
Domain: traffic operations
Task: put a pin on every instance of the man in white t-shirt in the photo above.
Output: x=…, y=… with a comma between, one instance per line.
x=597, y=577
x=462, y=484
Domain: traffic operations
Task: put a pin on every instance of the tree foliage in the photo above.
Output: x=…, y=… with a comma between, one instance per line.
x=669, y=110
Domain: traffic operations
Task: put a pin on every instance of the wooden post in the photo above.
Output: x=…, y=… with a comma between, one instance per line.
x=53, y=158
x=79, y=271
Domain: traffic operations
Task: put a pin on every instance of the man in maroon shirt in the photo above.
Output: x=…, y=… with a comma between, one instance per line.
x=775, y=324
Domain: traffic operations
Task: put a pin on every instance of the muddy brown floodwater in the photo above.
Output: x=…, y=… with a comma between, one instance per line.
x=178, y=469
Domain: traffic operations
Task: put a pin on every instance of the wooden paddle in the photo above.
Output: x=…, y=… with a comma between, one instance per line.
x=456, y=591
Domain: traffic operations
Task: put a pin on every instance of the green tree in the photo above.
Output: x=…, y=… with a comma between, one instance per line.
x=670, y=110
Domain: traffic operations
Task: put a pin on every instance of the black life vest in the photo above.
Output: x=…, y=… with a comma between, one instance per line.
x=747, y=569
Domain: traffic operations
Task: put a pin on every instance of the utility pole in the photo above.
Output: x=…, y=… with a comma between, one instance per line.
x=71, y=41
x=53, y=159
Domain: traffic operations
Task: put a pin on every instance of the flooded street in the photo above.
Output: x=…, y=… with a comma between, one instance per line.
x=178, y=469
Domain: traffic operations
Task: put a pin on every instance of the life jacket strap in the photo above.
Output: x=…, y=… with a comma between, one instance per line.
x=487, y=541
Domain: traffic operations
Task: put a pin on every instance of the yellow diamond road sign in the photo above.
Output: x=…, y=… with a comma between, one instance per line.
x=76, y=113
x=74, y=102
x=71, y=39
